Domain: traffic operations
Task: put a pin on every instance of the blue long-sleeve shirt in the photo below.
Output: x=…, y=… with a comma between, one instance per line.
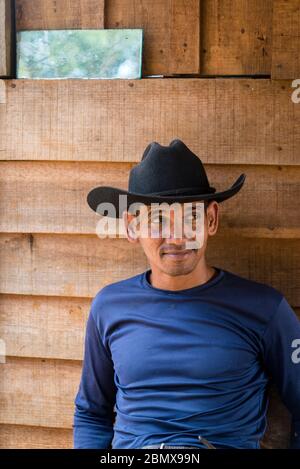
x=167, y=366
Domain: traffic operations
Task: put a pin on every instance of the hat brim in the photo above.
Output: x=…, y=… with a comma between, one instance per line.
x=104, y=200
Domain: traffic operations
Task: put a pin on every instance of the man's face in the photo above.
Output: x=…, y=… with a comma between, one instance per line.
x=174, y=241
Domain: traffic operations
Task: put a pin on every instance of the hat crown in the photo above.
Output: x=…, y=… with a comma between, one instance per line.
x=171, y=173
x=172, y=169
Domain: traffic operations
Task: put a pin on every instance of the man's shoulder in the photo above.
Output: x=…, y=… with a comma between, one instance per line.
x=112, y=287
x=253, y=291
x=115, y=290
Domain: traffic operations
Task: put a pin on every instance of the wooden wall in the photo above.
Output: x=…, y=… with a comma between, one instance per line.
x=226, y=90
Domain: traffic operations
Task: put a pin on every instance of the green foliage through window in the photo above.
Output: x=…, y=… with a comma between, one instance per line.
x=85, y=53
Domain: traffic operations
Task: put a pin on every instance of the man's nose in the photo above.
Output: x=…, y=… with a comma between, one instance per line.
x=176, y=230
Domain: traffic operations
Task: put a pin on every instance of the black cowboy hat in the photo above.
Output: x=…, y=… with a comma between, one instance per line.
x=171, y=173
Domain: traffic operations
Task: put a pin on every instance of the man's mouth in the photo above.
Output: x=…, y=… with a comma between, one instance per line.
x=178, y=254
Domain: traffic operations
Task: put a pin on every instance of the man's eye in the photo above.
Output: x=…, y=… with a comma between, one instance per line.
x=161, y=218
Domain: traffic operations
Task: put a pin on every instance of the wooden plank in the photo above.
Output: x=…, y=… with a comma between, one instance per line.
x=56, y=201
x=236, y=37
x=66, y=14
x=223, y=121
x=65, y=265
x=22, y=436
x=286, y=39
x=38, y=392
x=45, y=327
x=6, y=28
x=78, y=265
x=2, y=92
x=48, y=388
x=171, y=32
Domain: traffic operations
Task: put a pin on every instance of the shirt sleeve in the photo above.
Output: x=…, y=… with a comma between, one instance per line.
x=281, y=345
x=95, y=399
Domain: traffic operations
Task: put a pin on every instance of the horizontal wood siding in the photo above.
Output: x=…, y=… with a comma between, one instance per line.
x=61, y=14
x=225, y=121
x=286, y=39
x=227, y=91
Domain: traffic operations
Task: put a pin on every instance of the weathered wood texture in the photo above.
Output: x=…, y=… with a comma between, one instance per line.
x=61, y=14
x=6, y=44
x=224, y=121
x=286, y=39
x=236, y=37
x=27, y=437
x=43, y=326
x=2, y=92
x=56, y=201
x=171, y=32
x=78, y=265
x=47, y=387
x=171, y=27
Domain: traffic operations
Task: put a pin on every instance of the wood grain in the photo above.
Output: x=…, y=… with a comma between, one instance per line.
x=43, y=326
x=78, y=265
x=236, y=37
x=2, y=92
x=171, y=32
x=6, y=44
x=61, y=14
x=27, y=437
x=286, y=39
x=38, y=392
x=56, y=201
x=242, y=121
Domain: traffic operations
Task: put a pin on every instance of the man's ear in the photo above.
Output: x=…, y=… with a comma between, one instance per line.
x=127, y=218
x=212, y=218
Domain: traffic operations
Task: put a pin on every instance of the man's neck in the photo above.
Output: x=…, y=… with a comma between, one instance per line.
x=181, y=282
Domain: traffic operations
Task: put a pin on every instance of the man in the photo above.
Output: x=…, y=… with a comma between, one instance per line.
x=183, y=352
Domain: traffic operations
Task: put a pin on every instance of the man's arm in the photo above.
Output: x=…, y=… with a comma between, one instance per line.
x=95, y=399
x=281, y=345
